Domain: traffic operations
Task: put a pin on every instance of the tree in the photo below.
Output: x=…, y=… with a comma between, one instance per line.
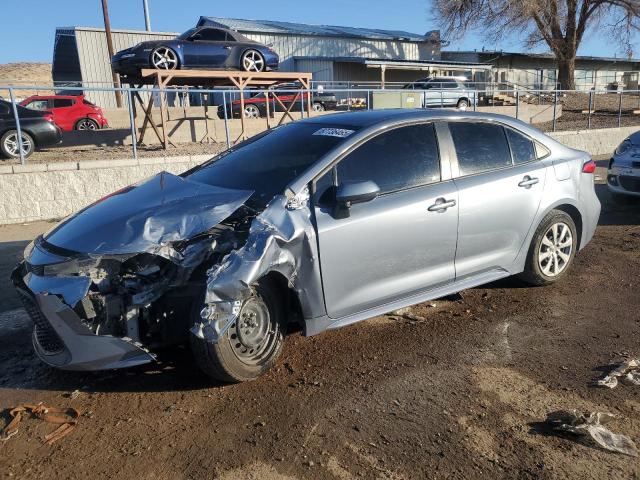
x=561, y=24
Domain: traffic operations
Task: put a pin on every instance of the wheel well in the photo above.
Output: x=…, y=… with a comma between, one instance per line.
x=575, y=215
x=463, y=98
x=289, y=296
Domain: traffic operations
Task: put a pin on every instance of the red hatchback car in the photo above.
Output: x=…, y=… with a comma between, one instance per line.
x=70, y=112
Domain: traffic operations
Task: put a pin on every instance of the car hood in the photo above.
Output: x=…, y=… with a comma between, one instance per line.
x=142, y=218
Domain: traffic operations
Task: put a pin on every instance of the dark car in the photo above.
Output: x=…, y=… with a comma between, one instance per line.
x=38, y=130
x=256, y=105
x=198, y=48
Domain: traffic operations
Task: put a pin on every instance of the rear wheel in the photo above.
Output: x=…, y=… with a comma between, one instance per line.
x=10, y=147
x=463, y=104
x=318, y=107
x=253, y=343
x=87, y=124
x=252, y=61
x=552, y=249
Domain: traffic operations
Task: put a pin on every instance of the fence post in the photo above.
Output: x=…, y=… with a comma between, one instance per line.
x=475, y=100
x=368, y=99
x=18, y=128
x=555, y=104
x=620, y=108
x=517, y=103
x=226, y=123
x=302, y=94
x=132, y=120
x=589, y=117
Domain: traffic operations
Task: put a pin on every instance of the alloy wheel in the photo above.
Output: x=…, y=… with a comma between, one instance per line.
x=555, y=249
x=12, y=148
x=252, y=61
x=251, y=111
x=318, y=107
x=252, y=336
x=163, y=58
x=86, y=124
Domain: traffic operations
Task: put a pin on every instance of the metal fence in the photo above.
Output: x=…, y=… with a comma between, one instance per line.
x=549, y=110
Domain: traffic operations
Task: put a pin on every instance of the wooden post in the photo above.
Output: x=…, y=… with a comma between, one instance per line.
x=107, y=31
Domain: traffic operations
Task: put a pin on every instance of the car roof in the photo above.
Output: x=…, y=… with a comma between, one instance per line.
x=369, y=118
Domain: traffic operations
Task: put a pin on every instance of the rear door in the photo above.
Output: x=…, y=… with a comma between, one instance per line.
x=500, y=184
x=400, y=243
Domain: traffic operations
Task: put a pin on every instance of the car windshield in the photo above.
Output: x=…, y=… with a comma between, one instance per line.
x=187, y=34
x=268, y=163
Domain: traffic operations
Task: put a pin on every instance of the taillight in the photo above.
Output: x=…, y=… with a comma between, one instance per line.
x=589, y=167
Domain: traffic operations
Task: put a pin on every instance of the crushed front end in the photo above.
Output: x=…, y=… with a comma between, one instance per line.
x=128, y=291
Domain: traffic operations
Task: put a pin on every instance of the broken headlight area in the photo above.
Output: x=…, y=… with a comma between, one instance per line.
x=146, y=297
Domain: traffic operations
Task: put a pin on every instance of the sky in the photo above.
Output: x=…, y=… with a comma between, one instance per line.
x=30, y=37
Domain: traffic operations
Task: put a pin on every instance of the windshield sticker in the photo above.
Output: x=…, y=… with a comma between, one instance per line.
x=334, y=132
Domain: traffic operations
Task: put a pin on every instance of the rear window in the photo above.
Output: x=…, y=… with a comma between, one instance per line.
x=522, y=148
x=268, y=163
x=480, y=147
x=87, y=102
x=62, y=102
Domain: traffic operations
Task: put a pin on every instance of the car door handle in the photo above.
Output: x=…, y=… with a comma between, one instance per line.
x=527, y=181
x=441, y=205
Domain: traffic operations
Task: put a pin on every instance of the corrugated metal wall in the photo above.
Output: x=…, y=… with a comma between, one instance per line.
x=94, y=57
x=289, y=46
x=322, y=70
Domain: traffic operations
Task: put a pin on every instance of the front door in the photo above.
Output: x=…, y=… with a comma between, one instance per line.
x=399, y=244
x=500, y=184
x=212, y=47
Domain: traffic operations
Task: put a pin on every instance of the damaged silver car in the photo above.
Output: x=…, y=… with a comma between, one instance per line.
x=322, y=222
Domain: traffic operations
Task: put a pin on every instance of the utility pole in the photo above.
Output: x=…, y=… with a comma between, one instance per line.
x=147, y=20
x=107, y=30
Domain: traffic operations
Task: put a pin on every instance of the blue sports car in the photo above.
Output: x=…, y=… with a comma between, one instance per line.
x=202, y=47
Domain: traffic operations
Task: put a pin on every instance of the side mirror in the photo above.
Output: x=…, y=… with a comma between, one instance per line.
x=349, y=193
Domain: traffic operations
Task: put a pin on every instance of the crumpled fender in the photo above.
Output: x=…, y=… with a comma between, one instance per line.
x=282, y=239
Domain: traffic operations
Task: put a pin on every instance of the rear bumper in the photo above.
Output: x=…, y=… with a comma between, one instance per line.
x=62, y=340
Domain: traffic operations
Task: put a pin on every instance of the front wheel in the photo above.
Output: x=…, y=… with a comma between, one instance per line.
x=552, y=249
x=10, y=146
x=253, y=343
x=251, y=111
x=164, y=58
x=318, y=107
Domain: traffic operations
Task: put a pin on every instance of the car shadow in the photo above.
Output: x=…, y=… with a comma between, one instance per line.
x=625, y=212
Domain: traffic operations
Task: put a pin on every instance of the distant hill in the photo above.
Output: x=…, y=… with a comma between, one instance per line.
x=20, y=74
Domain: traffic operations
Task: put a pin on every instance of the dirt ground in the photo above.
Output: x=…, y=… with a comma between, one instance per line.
x=458, y=395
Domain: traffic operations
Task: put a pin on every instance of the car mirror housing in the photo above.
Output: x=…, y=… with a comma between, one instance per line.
x=349, y=193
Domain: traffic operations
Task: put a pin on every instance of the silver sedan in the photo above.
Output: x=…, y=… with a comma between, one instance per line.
x=323, y=222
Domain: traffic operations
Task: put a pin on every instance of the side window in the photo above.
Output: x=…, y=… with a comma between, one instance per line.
x=401, y=158
x=38, y=105
x=522, y=149
x=212, y=35
x=62, y=102
x=480, y=147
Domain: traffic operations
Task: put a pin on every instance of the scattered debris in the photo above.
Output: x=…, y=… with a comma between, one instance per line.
x=591, y=425
x=628, y=372
x=65, y=418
